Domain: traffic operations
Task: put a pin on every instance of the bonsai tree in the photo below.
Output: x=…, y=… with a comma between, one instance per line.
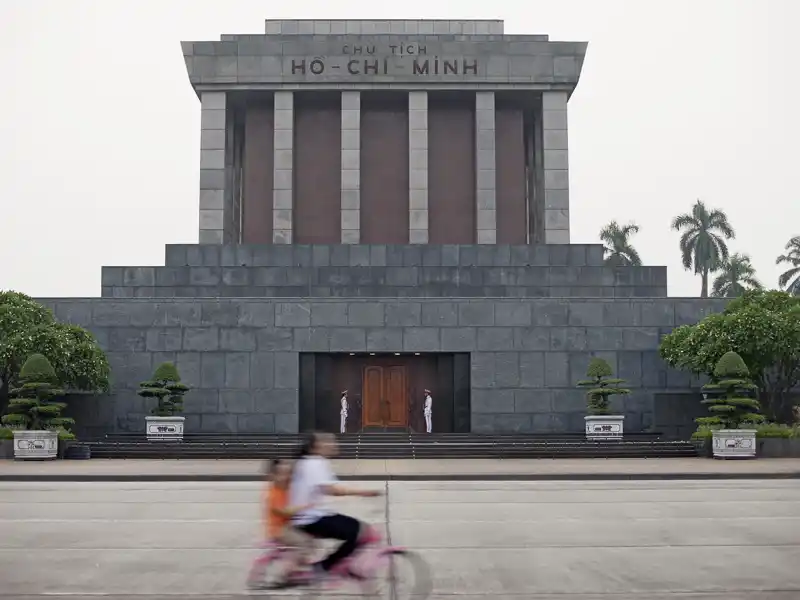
x=601, y=386
x=167, y=388
x=728, y=396
x=32, y=405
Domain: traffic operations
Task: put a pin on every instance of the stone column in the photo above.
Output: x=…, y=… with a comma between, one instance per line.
x=282, y=172
x=418, y=167
x=214, y=209
x=556, y=167
x=351, y=167
x=485, y=168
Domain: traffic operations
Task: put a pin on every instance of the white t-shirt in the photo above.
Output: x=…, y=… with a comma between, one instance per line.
x=344, y=406
x=428, y=404
x=311, y=474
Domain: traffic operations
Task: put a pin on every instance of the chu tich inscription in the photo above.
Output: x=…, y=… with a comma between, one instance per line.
x=349, y=66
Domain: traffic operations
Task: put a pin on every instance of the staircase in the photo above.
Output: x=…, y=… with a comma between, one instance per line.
x=389, y=445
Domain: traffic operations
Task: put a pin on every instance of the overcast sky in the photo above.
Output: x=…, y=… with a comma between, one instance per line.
x=678, y=100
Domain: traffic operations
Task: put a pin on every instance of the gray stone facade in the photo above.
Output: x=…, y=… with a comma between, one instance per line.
x=485, y=168
x=416, y=56
x=242, y=355
x=216, y=207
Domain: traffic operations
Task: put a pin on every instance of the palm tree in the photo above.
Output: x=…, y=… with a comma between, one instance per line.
x=702, y=244
x=790, y=279
x=618, y=248
x=736, y=276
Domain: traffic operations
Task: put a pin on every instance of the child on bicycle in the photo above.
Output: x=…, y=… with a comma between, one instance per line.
x=312, y=480
x=278, y=518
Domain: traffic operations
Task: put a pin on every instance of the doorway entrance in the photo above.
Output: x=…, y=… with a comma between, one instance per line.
x=385, y=395
x=385, y=391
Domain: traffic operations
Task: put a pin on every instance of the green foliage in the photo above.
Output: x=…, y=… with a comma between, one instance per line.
x=729, y=399
x=166, y=387
x=600, y=386
x=6, y=433
x=776, y=430
x=731, y=365
x=27, y=327
x=618, y=249
x=33, y=405
x=599, y=368
x=38, y=368
x=763, y=430
x=736, y=276
x=790, y=279
x=702, y=244
x=763, y=328
x=166, y=371
x=704, y=432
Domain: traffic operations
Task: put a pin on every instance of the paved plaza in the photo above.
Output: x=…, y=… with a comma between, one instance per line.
x=544, y=540
x=405, y=469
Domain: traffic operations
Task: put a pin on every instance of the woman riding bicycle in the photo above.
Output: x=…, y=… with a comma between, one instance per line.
x=313, y=479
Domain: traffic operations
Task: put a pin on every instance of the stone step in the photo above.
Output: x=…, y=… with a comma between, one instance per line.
x=489, y=447
x=389, y=437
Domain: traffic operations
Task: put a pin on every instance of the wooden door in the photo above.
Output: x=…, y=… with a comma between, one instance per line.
x=394, y=381
x=384, y=396
x=372, y=397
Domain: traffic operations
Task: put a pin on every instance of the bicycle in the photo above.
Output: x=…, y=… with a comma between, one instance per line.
x=373, y=561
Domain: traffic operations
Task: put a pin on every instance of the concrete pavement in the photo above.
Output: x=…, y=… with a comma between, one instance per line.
x=737, y=540
x=409, y=470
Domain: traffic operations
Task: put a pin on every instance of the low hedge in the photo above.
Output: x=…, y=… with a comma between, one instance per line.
x=763, y=430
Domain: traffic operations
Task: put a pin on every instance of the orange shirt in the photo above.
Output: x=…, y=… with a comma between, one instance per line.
x=275, y=498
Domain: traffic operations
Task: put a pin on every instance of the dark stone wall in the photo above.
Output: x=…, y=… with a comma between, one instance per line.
x=674, y=413
x=452, y=214
x=242, y=355
x=566, y=271
x=384, y=168
x=512, y=210
x=257, y=182
x=317, y=170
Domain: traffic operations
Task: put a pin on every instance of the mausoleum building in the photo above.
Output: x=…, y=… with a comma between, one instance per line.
x=384, y=208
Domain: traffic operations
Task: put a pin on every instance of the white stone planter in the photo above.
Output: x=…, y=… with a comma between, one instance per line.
x=35, y=445
x=161, y=429
x=734, y=443
x=604, y=427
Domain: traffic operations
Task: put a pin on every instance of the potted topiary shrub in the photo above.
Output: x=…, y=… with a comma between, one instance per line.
x=33, y=413
x=732, y=407
x=167, y=389
x=600, y=386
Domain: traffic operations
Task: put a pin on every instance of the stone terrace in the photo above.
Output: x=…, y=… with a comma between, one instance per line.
x=284, y=271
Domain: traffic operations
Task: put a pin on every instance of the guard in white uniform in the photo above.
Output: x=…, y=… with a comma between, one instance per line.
x=428, y=411
x=343, y=414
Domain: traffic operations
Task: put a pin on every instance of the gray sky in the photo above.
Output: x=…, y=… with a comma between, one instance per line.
x=678, y=100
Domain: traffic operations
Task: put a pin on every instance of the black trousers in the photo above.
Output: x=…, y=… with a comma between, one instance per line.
x=335, y=527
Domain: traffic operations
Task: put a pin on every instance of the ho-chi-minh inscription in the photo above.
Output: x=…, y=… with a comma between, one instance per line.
x=390, y=60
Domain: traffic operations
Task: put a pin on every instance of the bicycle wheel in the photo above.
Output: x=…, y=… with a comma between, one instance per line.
x=398, y=575
x=271, y=571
